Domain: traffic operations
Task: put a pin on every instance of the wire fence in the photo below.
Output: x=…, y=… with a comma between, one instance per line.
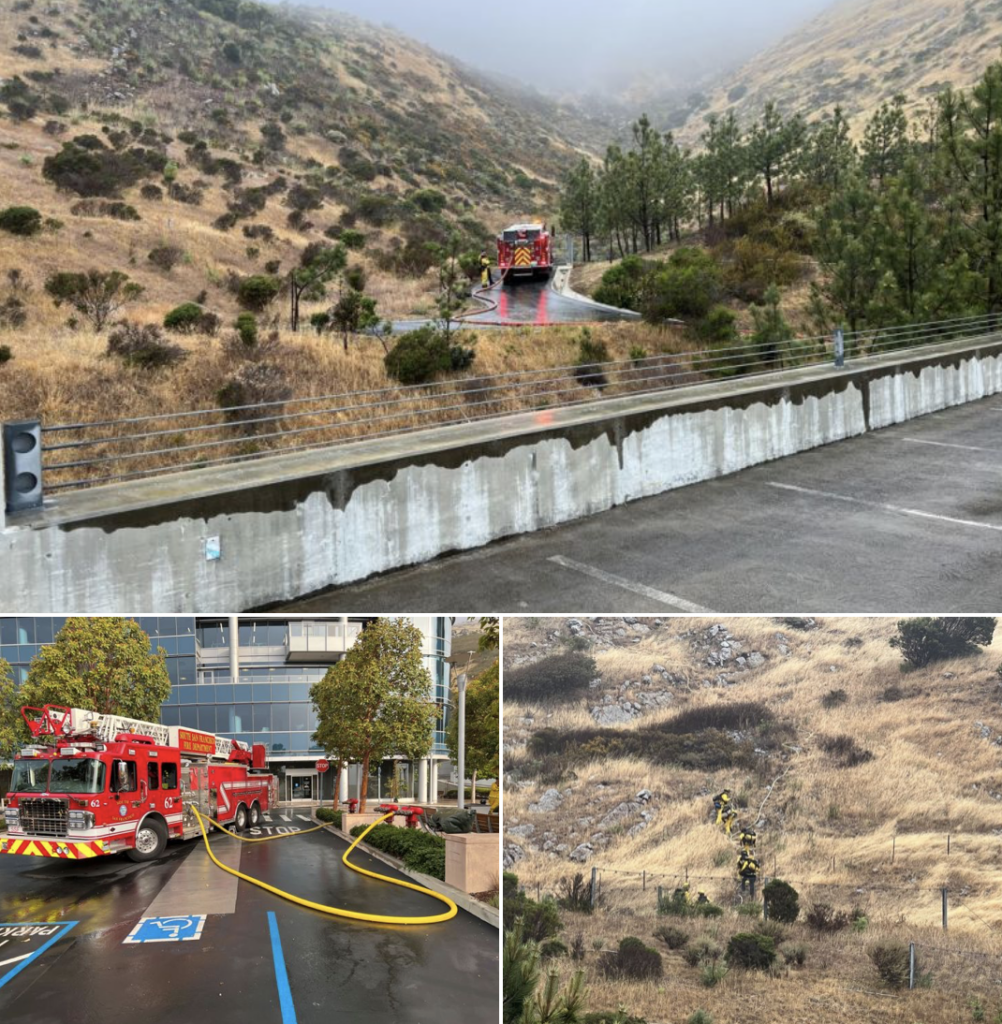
x=79, y=455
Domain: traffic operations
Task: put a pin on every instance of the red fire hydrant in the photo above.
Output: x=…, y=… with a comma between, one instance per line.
x=352, y=805
x=412, y=813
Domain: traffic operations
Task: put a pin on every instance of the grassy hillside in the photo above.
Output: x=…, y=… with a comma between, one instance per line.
x=859, y=53
x=854, y=773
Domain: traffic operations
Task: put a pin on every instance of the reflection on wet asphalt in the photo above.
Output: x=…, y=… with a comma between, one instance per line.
x=534, y=303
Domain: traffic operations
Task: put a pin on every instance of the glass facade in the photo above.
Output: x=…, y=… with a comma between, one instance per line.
x=269, y=700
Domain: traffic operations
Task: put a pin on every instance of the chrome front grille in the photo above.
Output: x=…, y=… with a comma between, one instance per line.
x=43, y=816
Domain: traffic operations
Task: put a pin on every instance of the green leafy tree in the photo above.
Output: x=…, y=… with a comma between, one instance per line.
x=102, y=664
x=318, y=266
x=925, y=640
x=97, y=295
x=490, y=633
x=452, y=282
x=829, y=153
x=353, y=313
x=772, y=146
x=483, y=728
x=10, y=716
x=772, y=333
x=377, y=701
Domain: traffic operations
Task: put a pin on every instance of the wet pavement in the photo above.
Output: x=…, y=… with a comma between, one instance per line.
x=530, y=303
x=336, y=969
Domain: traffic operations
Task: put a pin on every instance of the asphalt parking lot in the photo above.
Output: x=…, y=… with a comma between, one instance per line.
x=75, y=950
x=904, y=519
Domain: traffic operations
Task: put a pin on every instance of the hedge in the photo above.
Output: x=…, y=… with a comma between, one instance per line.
x=329, y=815
x=420, y=851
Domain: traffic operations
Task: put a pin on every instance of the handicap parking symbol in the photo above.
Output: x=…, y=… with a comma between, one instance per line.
x=168, y=929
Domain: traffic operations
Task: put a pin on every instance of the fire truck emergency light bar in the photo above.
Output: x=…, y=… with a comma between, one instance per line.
x=54, y=720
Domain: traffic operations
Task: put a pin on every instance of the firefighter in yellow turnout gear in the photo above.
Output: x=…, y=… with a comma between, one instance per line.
x=748, y=869
x=726, y=815
x=747, y=838
x=486, y=277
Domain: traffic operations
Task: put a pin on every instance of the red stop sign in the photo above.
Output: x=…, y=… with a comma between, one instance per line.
x=323, y=765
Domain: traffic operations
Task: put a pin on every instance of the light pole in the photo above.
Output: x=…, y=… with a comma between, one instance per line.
x=461, y=739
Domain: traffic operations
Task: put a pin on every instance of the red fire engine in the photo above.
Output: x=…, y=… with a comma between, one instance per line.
x=110, y=785
x=524, y=251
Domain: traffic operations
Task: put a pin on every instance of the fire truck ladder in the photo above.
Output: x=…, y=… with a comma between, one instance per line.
x=55, y=720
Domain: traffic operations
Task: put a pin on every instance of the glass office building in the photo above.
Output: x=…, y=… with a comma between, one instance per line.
x=249, y=678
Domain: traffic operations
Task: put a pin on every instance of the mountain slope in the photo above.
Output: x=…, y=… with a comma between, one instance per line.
x=854, y=774
x=859, y=53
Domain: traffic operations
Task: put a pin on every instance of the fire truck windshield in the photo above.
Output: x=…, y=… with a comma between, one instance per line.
x=29, y=776
x=76, y=775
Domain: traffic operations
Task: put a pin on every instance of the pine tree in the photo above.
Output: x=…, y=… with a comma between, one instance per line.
x=885, y=141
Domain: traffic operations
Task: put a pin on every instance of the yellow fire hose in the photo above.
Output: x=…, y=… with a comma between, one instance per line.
x=355, y=915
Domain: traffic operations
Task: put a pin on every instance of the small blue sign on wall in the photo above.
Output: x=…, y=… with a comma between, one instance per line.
x=168, y=929
x=213, y=549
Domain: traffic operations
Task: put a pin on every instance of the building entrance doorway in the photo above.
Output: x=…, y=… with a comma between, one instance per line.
x=301, y=786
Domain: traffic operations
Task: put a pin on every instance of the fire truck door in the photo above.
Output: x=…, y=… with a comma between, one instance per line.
x=195, y=790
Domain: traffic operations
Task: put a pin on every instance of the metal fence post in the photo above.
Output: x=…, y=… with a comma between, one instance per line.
x=660, y=896
x=946, y=901
x=911, y=965
x=839, y=345
x=594, y=885
x=644, y=882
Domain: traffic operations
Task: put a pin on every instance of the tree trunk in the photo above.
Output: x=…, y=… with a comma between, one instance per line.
x=337, y=785
x=473, y=788
x=363, y=791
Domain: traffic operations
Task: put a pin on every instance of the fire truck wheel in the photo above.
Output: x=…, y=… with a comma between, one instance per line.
x=255, y=814
x=151, y=840
x=240, y=821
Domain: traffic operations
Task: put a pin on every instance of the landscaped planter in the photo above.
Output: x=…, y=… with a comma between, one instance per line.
x=472, y=861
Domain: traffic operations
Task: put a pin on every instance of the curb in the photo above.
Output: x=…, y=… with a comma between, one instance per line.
x=490, y=915
x=562, y=274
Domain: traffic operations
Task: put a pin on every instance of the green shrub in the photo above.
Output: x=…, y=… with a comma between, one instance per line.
x=420, y=851
x=420, y=356
x=5, y=354
x=622, y=285
x=702, y=951
x=591, y=355
x=892, y=961
x=257, y=291
x=352, y=239
x=672, y=937
x=166, y=257
x=677, y=905
x=633, y=960
x=750, y=910
x=833, y=699
x=246, y=325
x=782, y=900
x=844, y=751
x=925, y=640
x=700, y=1017
x=684, y=288
x=751, y=951
x=21, y=220
x=185, y=319
x=429, y=200
x=540, y=920
x=608, y=1017
x=86, y=166
x=560, y=677
x=711, y=975
x=552, y=949
x=329, y=815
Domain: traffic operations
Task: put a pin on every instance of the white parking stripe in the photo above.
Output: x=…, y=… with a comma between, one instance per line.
x=285, y=817
x=661, y=596
x=944, y=444
x=884, y=507
x=302, y=817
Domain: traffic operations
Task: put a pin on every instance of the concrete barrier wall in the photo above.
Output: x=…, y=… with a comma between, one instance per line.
x=308, y=525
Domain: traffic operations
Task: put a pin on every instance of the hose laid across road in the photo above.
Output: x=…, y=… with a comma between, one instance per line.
x=355, y=915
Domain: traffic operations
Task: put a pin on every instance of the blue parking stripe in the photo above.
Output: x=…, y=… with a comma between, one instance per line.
x=281, y=975
x=67, y=925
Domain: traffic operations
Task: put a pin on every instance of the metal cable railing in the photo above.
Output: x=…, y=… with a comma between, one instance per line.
x=77, y=455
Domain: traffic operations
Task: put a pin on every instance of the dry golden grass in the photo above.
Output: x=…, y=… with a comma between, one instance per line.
x=828, y=830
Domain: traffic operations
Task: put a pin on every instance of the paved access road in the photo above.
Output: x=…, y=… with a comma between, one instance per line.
x=336, y=970
x=903, y=519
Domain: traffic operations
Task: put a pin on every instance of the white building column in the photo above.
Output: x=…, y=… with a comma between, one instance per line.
x=235, y=649
x=433, y=788
x=422, y=781
x=342, y=791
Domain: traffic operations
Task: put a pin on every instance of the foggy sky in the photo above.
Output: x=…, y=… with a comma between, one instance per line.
x=585, y=46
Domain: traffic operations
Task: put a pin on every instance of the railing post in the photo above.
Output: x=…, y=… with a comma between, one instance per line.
x=594, y=885
x=911, y=965
x=946, y=901
x=22, y=460
x=839, y=346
